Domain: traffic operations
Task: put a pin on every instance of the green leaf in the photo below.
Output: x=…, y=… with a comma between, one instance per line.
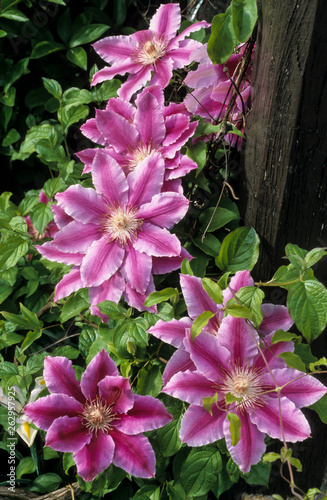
x=200, y=470
x=26, y=466
x=73, y=115
x=270, y=457
x=78, y=56
x=162, y=296
x=209, y=244
x=8, y=99
x=120, y=10
x=234, y=427
x=213, y=290
x=239, y=250
x=45, y=483
x=214, y=218
x=30, y=338
x=285, y=276
x=292, y=249
x=14, y=15
x=168, y=438
x=245, y=15
x=11, y=251
x=222, y=39
x=53, y=87
x=320, y=407
x=11, y=137
x=250, y=297
x=208, y=401
x=149, y=380
x=87, y=34
x=41, y=214
x=296, y=463
x=307, y=303
x=45, y=48
x=198, y=153
x=106, y=90
x=111, y=309
x=314, y=256
x=259, y=474
x=73, y=306
x=186, y=267
x=67, y=462
x=293, y=361
x=238, y=311
x=200, y=322
x=281, y=336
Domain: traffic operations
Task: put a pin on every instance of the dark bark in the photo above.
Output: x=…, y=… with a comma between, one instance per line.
x=284, y=176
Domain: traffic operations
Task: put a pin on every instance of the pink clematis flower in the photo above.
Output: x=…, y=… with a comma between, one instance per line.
x=232, y=364
x=197, y=301
x=117, y=230
x=130, y=134
x=213, y=89
x=100, y=419
x=157, y=50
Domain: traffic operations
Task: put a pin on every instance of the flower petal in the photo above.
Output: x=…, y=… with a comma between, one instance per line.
x=295, y=425
x=163, y=71
x=115, y=49
x=109, y=179
x=179, y=362
x=70, y=283
x=135, y=81
x=76, y=237
x=156, y=241
x=136, y=299
x=50, y=252
x=241, y=279
x=116, y=69
x=210, y=358
x=45, y=411
x=83, y=204
x=91, y=131
x=98, y=368
x=149, y=120
x=275, y=317
x=95, y=457
x=271, y=353
x=116, y=391
x=147, y=414
x=167, y=20
x=60, y=377
x=110, y=289
x=302, y=389
x=165, y=209
x=172, y=332
x=239, y=337
x=251, y=446
x=119, y=133
x=175, y=125
x=136, y=269
x=146, y=180
x=199, y=427
x=134, y=454
x=196, y=298
x=190, y=386
x=101, y=262
x=67, y=434
x=163, y=265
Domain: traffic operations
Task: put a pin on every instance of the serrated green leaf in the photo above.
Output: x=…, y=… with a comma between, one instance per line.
x=162, y=296
x=200, y=322
x=41, y=214
x=200, y=470
x=73, y=306
x=245, y=15
x=87, y=34
x=239, y=250
x=307, y=303
x=222, y=39
x=11, y=251
x=45, y=48
x=53, y=87
x=73, y=115
x=111, y=309
x=106, y=90
x=168, y=438
x=293, y=361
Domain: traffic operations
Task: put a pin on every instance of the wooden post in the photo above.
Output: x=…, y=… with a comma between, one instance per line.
x=284, y=179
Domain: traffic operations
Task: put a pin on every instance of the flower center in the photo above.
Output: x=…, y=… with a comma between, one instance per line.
x=121, y=224
x=149, y=51
x=137, y=155
x=244, y=383
x=98, y=416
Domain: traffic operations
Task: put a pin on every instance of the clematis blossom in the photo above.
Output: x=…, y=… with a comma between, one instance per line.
x=132, y=133
x=116, y=230
x=231, y=364
x=198, y=301
x=148, y=55
x=99, y=419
